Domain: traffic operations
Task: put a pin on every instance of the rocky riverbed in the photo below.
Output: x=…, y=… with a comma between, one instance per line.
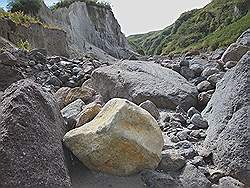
x=159, y=122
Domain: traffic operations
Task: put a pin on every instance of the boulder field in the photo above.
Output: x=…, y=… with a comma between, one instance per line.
x=157, y=122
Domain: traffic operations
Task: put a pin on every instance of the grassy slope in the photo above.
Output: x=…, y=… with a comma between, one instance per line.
x=215, y=25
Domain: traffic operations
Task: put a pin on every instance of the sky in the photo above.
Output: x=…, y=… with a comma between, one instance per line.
x=141, y=16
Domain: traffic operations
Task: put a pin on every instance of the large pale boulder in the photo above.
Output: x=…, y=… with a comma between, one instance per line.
x=31, y=130
x=121, y=140
x=140, y=81
x=227, y=115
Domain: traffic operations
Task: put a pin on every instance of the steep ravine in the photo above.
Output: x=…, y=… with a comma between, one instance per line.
x=89, y=29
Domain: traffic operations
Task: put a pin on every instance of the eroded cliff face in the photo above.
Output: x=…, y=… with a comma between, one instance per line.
x=52, y=39
x=89, y=29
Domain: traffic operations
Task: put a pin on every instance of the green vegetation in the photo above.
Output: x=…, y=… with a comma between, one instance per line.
x=30, y=7
x=67, y=3
x=22, y=19
x=216, y=25
x=19, y=18
x=24, y=45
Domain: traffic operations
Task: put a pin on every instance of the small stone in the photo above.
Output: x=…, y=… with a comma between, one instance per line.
x=171, y=161
x=184, y=63
x=193, y=177
x=179, y=118
x=210, y=71
x=174, y=139
x=84, y=93
x=215, y=176
x=76, y=70
x=183, y=135
x=204, y=86
x=198, y=161
x=215, y=78
x=195, y=133
x=54, y=67
x=204, y=97
x=71, y=83
x=73, y=109
x=197, y=69
x=192, y=126
x=192, y=111
x=186, y=149
x=198, y=121
x=88, y=113
x=187, y=73
x=53, y=80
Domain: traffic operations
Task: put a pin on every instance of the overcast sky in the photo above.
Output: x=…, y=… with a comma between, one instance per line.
x=141, y=16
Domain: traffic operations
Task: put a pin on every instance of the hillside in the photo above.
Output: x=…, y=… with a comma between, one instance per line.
x=216, y=25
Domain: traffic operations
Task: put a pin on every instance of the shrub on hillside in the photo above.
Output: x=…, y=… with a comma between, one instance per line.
x=27, y=6
x=67, y=3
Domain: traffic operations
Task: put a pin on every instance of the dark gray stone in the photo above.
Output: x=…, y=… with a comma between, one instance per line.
x=187, y=73
x=199, y=122
x=197, y=69
x=184, y=63
x=32, y=128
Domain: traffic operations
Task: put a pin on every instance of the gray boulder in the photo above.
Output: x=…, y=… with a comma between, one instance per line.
x=141, y=81
x=227, y=115
x=31, y=129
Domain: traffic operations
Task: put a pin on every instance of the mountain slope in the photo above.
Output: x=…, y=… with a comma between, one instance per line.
x=197, y=29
